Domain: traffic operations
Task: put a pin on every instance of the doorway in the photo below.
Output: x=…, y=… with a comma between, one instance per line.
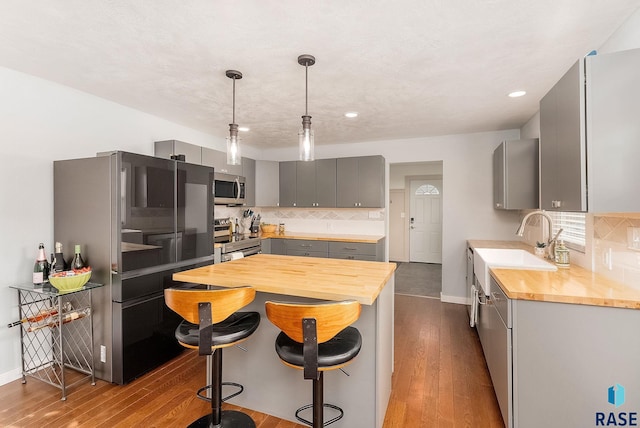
x=425, y=221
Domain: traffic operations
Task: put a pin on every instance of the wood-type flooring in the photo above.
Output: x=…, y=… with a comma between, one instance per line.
x=440, y=380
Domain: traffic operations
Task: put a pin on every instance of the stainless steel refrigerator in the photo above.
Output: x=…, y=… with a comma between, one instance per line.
x=138, y=220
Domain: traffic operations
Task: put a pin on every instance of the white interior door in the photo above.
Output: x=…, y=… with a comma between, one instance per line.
x=425, y=222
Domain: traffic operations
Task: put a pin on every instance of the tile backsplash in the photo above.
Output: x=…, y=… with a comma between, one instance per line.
x=614, y=254
x=341, y=221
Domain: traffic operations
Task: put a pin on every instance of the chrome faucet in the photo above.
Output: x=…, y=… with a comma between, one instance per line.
x=551, y=243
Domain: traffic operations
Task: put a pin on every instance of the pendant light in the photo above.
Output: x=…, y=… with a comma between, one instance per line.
x=305, y=136
x=233, y=141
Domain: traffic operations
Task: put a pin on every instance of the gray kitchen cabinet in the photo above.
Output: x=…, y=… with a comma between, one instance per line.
x=276, y=246
x=267, y=183
x=515, y=175
x=249, y=173
x=218, y=160
x=288, y=184
x=588, y=136
x=168, y=148
x=540, y=352
x=306, y=248
x=357, y=250
x=316, y=183
x=360, y=182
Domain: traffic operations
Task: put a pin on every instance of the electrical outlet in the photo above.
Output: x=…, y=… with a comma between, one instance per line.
x=103, y=354
x=374, y=214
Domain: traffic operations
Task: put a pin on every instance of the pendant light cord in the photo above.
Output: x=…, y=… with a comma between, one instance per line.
x=306, y=89
x=234, y=101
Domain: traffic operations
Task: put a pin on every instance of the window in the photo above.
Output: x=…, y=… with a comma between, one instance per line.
x=427, y=189
x=573, y=228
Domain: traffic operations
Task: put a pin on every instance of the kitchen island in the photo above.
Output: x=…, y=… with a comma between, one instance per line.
x=273, y=388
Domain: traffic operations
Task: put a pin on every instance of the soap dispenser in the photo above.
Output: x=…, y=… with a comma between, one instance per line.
x=562, y=255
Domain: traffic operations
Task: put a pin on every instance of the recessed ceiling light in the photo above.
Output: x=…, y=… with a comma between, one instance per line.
x=351, y=114
x=516, y=94
x=243, y=129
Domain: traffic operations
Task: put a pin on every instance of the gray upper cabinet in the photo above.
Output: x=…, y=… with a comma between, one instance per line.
x=167, y=148
x=515, y=175
x=562, y=144
x=589, y=133
x=316, y=183
x=267, y=183
x=360, y=182
x=218, y=160
x=249, y=173
x=308, y=184
x=288, y=184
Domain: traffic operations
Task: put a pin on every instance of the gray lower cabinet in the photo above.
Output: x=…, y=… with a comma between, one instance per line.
x=360, y=182
x=326, y=249
x=552, y=364
x=306, y=248
x=357, y=250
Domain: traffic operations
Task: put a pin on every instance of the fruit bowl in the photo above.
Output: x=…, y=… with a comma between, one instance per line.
x=268, y=228
x=69, y=280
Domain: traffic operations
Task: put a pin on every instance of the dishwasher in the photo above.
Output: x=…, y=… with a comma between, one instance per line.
x=494, y=329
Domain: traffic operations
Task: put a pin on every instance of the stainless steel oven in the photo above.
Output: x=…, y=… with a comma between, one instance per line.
x=229, y=189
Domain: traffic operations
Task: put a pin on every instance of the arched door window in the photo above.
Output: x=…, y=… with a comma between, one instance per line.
x=427, y=189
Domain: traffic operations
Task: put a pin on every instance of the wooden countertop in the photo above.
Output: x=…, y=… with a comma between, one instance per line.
x=367, y=239
x=317, y=278
x=574, y=285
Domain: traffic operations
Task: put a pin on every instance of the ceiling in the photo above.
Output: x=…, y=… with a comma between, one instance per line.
x=410, y=68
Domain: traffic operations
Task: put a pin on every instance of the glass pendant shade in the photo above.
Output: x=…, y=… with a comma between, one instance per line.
x=305, y=140
x=234, y=156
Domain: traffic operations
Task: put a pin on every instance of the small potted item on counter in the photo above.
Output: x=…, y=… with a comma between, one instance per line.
x=540, y=248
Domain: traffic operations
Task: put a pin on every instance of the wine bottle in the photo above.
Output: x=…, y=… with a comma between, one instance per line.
x=78, y=261
x=41, y=267
x=66, y=317
x=45, y=313
x=61, y=264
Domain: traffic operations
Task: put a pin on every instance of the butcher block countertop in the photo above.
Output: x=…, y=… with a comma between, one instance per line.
x=574, y=285
x=317, y=278
x=367, y=239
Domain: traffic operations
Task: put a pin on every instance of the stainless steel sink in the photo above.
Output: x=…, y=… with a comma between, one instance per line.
x=486, y=258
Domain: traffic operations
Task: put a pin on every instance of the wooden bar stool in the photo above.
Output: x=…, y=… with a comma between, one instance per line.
x=210, y=324
x=316, y=338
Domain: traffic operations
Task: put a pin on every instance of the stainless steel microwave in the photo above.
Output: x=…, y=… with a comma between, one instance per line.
x=228, y=189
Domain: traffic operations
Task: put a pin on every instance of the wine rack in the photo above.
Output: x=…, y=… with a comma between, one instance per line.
x=56, y=331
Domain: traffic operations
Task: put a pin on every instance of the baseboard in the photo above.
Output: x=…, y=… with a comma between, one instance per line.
x=454, y=299
x=10, y=376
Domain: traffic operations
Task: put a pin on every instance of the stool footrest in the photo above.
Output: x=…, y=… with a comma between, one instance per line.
x=310, y=406
x=201, y=392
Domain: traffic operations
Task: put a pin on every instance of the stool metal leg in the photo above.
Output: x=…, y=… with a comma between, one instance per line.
x=219, y=418
x=318, y=400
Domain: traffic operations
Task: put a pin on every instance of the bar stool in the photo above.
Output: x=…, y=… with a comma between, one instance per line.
x=316, y=338
x=210, y=324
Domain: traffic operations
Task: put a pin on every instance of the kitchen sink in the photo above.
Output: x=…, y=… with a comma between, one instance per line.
x=485, y=258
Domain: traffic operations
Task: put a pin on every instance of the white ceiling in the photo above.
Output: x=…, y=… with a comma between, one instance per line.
x=411, y=68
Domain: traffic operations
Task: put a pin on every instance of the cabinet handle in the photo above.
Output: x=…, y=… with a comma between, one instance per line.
x=294, y=204
x=496, y=297
x=556, y=204
x=349, y=249
x=498, y=205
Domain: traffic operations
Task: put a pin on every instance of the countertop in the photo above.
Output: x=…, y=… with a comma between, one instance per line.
x=367, y=239
x=317, y=278
x=574, y=285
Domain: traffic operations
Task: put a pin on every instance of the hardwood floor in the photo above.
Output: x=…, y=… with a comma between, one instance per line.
x=440, y=380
